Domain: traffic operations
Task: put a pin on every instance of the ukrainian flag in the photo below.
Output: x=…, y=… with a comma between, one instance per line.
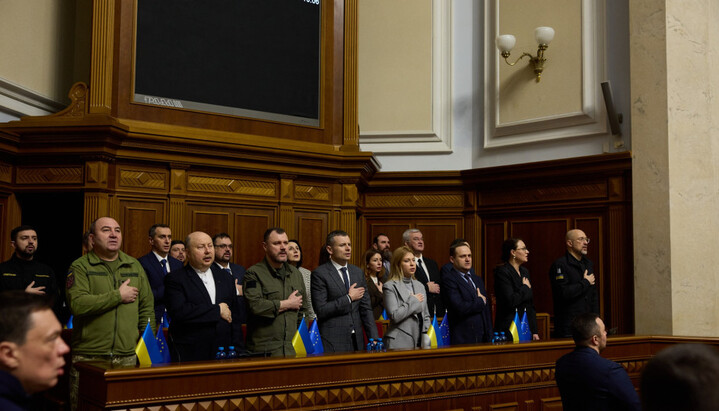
x=432, y=333
x=384, y=315
x=301, y=340
x=315, y=339
x=69, y=323
x=513, y=329
x=147, y=351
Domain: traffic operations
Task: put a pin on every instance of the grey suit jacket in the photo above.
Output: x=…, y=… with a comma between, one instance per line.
x=336, y=315
x=404, y=310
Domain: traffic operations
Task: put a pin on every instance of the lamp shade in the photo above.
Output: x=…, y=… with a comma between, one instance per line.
x=544, y=35
x=506, y=42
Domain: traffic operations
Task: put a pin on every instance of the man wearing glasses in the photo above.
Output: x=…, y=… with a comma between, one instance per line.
x=223, y=258
x=574, y=287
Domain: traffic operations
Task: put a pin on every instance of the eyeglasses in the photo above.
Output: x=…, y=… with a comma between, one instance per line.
x=583, y=239
x=522, y=249
x=223, y=246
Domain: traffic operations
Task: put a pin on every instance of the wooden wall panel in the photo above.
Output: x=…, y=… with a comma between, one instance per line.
x=312, y=227
x=438, y=233
x=247, y=234
x=392, y=230
x=136, y=218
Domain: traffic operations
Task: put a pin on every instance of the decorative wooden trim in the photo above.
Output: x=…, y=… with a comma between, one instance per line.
x=45, y=175
x=351, y=126
x=135, y=178
x=220, y=185
x=6, y=173
x=414, y=200
x=101, y=64
x=96, y=205
x=312, y=192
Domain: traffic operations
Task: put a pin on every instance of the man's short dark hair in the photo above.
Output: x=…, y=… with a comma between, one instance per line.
x=458, y=242
x=15, y=309
x=175, y=242
x=584, y=327
x=376, y=238
x=15, y=231
x=220, y=236
x=269, y=231
x=153, y=229
x=682, y=377
x=331, y=236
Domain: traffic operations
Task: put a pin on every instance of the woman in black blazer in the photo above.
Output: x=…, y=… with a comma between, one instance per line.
x=374, y=275
x=513, y=289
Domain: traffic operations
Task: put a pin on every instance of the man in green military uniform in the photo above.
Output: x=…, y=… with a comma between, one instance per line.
x=110, y=297
x=275, y=293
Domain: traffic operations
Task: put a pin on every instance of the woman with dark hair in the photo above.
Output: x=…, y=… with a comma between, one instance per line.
x=294, y=257
x=374, y=273
x=513, y=288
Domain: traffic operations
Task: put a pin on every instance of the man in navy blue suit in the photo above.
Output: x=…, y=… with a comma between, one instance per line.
x=587, y=381
x=157, y=263
x=223, y=258
x=465, y=297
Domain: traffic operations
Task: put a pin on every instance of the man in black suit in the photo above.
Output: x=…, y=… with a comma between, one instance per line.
x=470, y=319
x=223, y=257
x=587, y=381
x=201, y=300
x=157, y=263
x=339, y=298
x=427, y=271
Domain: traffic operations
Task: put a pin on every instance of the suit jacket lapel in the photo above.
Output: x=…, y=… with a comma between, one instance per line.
x=402, y=291
x=197, y=282
x=334, y=274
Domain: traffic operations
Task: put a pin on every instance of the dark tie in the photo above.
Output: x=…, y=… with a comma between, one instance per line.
x=346, y=278
x=470, y=283
x=228, y=271
x=164, y=265
x=421, y=274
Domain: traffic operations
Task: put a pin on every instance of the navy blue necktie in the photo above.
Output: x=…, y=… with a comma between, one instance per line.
x=164, y=265
x=346, y=278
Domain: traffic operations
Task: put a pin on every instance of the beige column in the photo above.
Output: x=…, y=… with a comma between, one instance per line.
x=675, y=145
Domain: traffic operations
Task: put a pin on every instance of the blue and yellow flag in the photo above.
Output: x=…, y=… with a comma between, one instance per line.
x=162, y=345
x=147, y=351
x=513, y=329
x=301, y=340
x=443, y=341
x=69, y=323
x=384, y=315
x=315, y=339
x=432, y=333
x=165, y=320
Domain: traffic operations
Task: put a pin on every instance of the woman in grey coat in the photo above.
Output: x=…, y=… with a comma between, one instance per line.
x=406, y=304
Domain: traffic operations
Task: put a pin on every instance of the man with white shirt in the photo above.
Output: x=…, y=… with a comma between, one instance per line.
x=158, y=263
x=276, y=297
x=339, y=298
x=201, y=300
x=427, y=270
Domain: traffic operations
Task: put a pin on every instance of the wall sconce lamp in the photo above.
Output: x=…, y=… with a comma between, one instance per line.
x=543, y=35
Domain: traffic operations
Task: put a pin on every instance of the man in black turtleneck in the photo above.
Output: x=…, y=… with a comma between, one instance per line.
x=22, y=272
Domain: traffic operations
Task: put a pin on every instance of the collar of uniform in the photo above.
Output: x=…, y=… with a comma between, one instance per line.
x=93, y=259
x=572, y=260
x=283, y=271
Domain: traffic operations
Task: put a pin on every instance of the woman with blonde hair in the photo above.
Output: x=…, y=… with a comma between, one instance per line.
x=406, y=304
x=374, y=273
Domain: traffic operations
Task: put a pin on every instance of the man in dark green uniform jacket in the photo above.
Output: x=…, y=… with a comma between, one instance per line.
x=110, y=297
x=276, y=297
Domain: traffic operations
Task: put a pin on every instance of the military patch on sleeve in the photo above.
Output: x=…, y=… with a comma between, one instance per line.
x=251, y=284
x=70, y=280
x=559, y=277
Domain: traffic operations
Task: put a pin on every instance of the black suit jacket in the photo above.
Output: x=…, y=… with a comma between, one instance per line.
x=156, y=277
x=238, y=273
x=512, y=297
x=336, y=315
x=196, y=329
x=588, y=382
x=425, y=275
x=470, y=319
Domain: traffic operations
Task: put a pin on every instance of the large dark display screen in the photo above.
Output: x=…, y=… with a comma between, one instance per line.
x=251, y=58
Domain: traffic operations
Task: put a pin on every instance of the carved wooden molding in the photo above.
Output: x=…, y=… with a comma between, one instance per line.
x=414, y=200
x=5, y=173
x=142, y=179
x=101, y=64
x=312, y=192
x=54, y=175
x=205, y=184
x=351, y=127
